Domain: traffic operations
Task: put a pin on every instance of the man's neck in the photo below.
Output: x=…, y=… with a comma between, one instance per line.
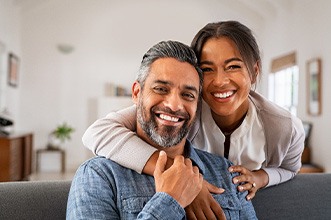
x=173, y=151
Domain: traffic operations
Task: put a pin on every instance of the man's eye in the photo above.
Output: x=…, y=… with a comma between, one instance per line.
x=189, y=96
x=160, y=90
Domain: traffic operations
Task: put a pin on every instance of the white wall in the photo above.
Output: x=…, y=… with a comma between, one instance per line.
x=10, y=39
x=109, y=39
x=304, y=28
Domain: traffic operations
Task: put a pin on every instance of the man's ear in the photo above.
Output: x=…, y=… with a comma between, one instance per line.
x=136, y=88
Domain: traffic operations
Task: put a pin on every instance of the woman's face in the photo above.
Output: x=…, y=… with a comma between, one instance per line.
x=226, y=79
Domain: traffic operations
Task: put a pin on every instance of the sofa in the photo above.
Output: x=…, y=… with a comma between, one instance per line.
x=307, y=196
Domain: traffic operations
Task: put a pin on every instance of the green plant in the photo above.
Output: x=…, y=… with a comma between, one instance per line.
x=63, y=132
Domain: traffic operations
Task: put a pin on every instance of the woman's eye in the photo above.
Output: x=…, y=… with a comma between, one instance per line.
x=233, y=67
x=206, y=69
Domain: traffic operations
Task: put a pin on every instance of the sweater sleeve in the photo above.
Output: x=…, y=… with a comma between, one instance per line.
x=113, y=138
x=291, y=163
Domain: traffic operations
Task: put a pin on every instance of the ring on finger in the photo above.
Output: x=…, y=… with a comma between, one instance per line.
x=253, y=185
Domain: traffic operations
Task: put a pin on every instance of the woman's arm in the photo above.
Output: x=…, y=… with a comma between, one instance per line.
x=269, y=176
x=291, y=163
x=114, y=138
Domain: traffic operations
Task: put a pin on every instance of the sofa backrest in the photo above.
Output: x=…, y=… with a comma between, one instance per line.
x=307, y=196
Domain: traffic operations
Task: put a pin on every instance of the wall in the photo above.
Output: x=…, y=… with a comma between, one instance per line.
x=109, y=38
x=302, y=28
x=10, y=40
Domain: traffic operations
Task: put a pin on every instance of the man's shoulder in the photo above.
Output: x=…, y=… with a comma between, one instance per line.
x=102, y=164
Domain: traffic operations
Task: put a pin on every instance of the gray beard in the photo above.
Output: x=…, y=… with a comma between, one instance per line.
x=167, y=137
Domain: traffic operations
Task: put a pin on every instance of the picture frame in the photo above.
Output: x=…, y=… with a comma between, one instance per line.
x=314, y=99
x=13, y=67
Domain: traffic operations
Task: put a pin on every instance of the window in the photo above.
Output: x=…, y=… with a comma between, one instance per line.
x=284, y=83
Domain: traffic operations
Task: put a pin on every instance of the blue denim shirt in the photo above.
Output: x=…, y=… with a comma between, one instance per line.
x=102, y=189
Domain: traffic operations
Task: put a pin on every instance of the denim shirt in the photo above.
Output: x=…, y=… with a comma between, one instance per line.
x=102, y=189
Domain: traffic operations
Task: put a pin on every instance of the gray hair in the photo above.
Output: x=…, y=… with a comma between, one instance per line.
x=168, y=49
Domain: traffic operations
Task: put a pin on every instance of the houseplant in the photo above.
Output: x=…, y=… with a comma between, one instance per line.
x=60, y=135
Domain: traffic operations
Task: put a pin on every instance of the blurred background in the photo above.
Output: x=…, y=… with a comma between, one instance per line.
x=76, y=61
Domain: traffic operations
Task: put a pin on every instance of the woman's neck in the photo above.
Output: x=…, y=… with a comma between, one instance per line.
x=230, y=123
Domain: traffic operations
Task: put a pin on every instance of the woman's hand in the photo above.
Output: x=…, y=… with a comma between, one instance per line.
x=249, y=180
x=204, y=206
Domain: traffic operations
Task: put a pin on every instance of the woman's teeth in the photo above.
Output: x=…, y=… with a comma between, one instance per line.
x=223, y=95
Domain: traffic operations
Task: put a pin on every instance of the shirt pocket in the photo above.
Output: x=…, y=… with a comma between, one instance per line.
x=230, y=204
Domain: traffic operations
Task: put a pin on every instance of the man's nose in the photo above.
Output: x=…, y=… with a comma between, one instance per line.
x=174, y=101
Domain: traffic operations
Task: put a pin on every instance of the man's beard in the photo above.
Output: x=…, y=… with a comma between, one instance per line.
x=166, y=136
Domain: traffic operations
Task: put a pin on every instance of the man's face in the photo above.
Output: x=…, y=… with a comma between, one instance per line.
x=167, y=104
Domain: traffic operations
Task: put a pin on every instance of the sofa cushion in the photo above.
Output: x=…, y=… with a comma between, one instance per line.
x=34, y=200
x=307, y=196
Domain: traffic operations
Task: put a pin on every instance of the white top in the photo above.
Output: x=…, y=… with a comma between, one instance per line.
x=247, y=144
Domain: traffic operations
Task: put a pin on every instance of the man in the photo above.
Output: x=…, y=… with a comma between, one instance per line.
x=166, y=93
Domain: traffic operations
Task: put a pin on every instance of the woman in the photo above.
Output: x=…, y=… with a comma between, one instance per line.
x=263, y=140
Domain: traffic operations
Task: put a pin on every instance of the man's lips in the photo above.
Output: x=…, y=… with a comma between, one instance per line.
x=170, y=118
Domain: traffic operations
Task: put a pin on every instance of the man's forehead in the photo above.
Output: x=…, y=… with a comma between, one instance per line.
x=172, y=70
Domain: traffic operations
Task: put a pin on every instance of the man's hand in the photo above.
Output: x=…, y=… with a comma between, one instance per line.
x=182, y=180
x=204, y=206
x=249, y=180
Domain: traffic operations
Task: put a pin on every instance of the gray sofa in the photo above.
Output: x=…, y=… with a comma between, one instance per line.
x=307, y=196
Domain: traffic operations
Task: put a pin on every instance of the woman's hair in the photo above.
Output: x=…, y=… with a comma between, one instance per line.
x=240, y=34
x=168, y=49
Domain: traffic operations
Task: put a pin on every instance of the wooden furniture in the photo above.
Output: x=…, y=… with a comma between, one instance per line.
x=307, y=166
x=15, y=156
x=52, y=150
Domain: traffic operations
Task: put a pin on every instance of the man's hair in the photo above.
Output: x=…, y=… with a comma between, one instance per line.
x=240, y=34
x=168, y=49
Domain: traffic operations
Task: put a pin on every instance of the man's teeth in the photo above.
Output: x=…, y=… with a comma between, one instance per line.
x=223, y=95
x=169, y=118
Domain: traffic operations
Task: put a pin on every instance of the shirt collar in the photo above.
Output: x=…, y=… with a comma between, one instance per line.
x=191, y=153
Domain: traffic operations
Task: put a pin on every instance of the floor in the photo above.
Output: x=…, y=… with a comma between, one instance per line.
x=46, y=176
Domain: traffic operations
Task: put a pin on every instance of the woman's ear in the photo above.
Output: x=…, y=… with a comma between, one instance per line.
x=136, y=88
x=256, y=73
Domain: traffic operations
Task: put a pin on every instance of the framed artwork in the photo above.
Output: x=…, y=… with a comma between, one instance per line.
x=13, y=64
x=314, y=86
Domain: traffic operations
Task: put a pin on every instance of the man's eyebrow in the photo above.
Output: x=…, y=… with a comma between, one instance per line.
x=188, y=87
x=163, y=82
x=192, y=88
